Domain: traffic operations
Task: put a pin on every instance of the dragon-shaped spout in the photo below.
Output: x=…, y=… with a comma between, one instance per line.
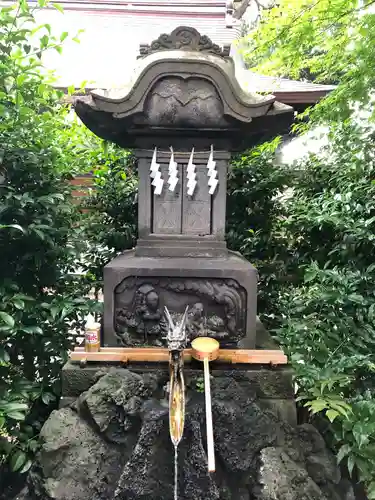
x=176, y=343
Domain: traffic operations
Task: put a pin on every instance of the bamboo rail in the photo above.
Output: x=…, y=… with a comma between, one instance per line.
x=160, y=355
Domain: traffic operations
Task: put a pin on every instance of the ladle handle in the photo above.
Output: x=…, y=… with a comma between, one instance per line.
x=209, y=427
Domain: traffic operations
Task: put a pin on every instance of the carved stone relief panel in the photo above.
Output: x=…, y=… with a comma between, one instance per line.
x=217, y=308
x=184, y=102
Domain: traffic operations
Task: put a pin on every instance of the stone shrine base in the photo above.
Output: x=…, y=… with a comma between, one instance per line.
x=110, y=438
x=273, y=386
x=112, y=441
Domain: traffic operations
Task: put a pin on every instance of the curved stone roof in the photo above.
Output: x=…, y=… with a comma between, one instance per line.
x=184, y=86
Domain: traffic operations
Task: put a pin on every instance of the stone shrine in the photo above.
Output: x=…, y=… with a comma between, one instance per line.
x=183, y=114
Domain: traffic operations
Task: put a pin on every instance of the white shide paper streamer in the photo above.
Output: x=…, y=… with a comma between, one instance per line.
x=155, y=175
x=172, y=171
x=191, y=175
x=213, y=181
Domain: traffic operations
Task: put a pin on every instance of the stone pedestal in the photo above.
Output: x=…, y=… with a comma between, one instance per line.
x=272, y=387
x=221, y=294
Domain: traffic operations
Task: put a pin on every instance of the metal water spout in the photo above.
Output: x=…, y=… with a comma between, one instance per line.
x=176, y=342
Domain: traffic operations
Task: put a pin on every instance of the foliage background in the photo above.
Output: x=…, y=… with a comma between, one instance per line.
x=41, y=298
x=326, y=321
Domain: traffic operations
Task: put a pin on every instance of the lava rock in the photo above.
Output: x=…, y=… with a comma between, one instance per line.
x=114, y=444
x=282, y=478
x=74, y=463
x=114, y=403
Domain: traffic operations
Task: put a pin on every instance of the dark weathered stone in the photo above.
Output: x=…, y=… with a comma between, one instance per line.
x=117, y=447
x=282, y=478
x=115, y=402
x=217, y=309
x=178, y=94
x=265, y=383
x=175, y=224
x=283, y=409
x=66, y=402
x=76, y=379
x=74, y=463
x=184, y=38
x=229, y=284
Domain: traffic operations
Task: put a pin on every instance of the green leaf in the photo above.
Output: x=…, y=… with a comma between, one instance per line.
x=40, y=233
x=316, y=406
x=351, y=464
x=7, y=318
x=9, y=407
x=341, y=407
x=44, y=41
x=33, y=445
x=4, y=356
x=360, y=435
x=20, y=79
x=58, y=7
x=356, y=298
x=371, y=491
x=13, y=226
x=18, y=303
x=343, y=452
x=54, y=311
x=15, y=415
x=18, y=460
x=26, y=467
x=48, y=397
x=332, y=414
x=32, y=329
x=63, y=36
x=2, y=421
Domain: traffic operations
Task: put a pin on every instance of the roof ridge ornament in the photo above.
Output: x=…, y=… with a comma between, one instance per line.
x=184, y=38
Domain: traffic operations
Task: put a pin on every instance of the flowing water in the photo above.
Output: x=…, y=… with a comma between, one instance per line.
x=176, y=472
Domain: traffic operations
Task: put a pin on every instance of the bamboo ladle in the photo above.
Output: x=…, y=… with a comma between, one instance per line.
x=206, y=349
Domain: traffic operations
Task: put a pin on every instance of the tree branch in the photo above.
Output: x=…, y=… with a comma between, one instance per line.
x=240, y=11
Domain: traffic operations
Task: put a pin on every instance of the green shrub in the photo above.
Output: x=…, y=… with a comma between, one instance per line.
x=111, y=224
x=328, y=329
x=41, y=299
x=255, y=185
